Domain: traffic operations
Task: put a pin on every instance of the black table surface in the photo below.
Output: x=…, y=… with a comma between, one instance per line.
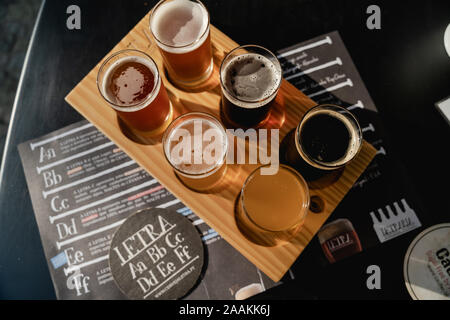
x=404, y=66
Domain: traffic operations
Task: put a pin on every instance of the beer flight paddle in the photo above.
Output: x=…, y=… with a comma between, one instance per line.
x=216, y=208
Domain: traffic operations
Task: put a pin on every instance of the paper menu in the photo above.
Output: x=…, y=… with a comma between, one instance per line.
x=82, y=189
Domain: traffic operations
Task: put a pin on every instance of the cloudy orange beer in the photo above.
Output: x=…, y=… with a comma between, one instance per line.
x=181, y=30
x=272, y=208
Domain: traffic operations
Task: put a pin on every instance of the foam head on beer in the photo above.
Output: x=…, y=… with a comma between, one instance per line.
x=196, y=146
x=251, y=79
x=129, y=81
x=179, y=23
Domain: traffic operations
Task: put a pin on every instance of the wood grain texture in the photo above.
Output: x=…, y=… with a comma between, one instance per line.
x=216, y=209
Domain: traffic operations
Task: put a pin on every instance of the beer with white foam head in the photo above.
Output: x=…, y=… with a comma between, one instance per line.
x=182, y=32
x=250, y=78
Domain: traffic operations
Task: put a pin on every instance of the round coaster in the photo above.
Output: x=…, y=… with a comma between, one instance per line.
x=156, y=254
x=447, y=40
x=426, y=268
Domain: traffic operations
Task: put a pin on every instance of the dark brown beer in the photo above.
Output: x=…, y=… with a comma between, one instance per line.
x=181, y=28
x=250, y=82
x=327, y=138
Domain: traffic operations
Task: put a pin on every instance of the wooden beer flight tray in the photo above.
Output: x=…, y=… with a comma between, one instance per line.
x=216, y=209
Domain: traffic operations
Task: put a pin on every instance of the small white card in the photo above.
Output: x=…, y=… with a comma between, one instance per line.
x=389, y=225
x=444, y=108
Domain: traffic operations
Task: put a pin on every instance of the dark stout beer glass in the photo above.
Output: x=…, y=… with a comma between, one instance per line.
x=326, y=139
x=181, y=30
x=129, y=81
x=250, y=77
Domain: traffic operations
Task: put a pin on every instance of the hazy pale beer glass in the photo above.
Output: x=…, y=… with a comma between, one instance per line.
x=195, y=145
x=326, y=139
x=272, y=208
x=129, y=81
x=181, y=30
x=250, y=77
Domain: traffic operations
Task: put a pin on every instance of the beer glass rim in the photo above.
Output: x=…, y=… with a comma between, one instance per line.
x=305, y=205
x=244, y=47
x=185, y=45
x=320, y=164
x=132, y=107
x=203, y=115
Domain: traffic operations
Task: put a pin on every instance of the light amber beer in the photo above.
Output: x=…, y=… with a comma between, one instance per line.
x=273, y=208
x=181, y=30
x=195, y=145
x=130, y=82
x=250, y=78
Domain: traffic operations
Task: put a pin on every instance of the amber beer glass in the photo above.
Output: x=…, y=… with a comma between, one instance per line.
x=181, y=30
x=327, y=138
x=129, y=81
x=195, y=145
x=272, y=208
x=250, y=77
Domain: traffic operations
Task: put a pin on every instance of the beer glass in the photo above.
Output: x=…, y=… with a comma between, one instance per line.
x=250, y=77
x=181, y=30
x=327, y=138
x=195, y=145
x=129, y=81
x=272, y=208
